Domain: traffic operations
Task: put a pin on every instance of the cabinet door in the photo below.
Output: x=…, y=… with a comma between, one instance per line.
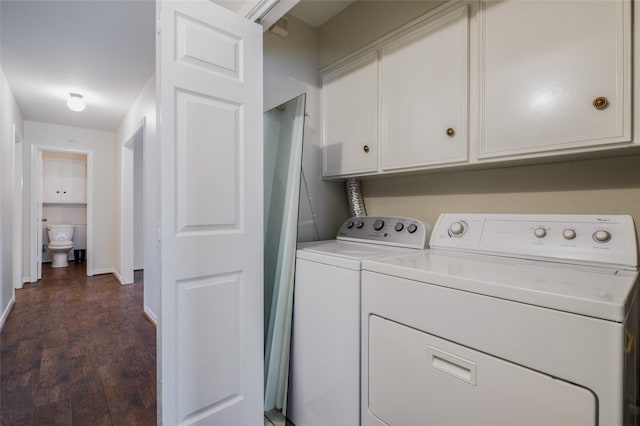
x=424, y=93
x=51, y=180
x=73, y=180
x=545, y=64
x=350, y=117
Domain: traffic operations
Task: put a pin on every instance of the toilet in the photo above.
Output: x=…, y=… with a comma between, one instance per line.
x=60, y=242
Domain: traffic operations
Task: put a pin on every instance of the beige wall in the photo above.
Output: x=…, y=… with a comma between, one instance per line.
x=364, y=22
x=290, y=69
x=603, y=186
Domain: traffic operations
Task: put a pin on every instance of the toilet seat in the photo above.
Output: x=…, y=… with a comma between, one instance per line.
x=61, y=244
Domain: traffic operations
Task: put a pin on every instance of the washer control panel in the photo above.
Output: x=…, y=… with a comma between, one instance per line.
x=387, y=230
x=582, y=239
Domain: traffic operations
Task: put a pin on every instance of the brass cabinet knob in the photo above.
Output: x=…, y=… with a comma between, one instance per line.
x=600, y=103
x=365, y=148
x=450, y=132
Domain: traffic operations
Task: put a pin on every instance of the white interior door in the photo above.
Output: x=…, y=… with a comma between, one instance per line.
x=210, y=129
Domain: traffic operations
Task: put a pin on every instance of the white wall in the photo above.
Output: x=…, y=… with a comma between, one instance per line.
x=101, y=144
x=143, y=108
x=10, y=114
x=10, y=197
x=290, y=69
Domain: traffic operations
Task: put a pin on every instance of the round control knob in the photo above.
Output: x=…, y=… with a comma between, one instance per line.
x=456, y=229
x=569, y=234
x=359, y=224
x=540, y=232
x=602, y=236
x=378, y=224
x=412, y=228
x=350, y=224
x=399, y=227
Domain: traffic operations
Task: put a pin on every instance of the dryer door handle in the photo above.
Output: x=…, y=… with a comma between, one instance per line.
x=453, y=365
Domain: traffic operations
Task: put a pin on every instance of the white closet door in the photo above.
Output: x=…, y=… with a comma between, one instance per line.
x=210, y=130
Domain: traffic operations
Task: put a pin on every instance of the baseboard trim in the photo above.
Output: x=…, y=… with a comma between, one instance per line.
x=118, y=276
x=150, y=316
x=104, y=271
x=7, y=311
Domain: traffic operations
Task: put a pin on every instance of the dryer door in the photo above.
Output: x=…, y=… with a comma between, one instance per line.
x=419, y=379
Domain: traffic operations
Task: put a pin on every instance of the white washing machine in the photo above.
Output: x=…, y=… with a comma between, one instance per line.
x=324, y=380
x=506, y=320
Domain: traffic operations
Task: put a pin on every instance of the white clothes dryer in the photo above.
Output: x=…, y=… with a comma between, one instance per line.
x=506, y=320
x=324, y=380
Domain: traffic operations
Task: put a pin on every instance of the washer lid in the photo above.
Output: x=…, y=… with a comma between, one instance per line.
x=604, y=293
x=345, y=254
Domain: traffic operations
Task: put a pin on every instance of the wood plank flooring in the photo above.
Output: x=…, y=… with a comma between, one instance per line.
x=76, y=350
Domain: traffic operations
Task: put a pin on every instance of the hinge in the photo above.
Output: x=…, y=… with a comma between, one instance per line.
x=159, y=231
x=158, y=25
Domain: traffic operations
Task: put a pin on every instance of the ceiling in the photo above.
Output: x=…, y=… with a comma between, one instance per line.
x=317, y=12
x=104, y=50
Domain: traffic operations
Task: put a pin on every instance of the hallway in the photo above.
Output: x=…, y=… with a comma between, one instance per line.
x=76, y=350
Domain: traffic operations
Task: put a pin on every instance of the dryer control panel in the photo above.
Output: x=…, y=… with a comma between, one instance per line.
x=608, y=240
x=386, y=230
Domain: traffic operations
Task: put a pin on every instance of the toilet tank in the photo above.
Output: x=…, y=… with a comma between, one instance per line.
x=61, y=232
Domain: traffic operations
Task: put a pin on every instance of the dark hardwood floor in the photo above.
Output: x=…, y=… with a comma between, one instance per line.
x=76, y=350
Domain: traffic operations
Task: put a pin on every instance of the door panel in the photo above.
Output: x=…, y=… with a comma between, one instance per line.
x=210, y=104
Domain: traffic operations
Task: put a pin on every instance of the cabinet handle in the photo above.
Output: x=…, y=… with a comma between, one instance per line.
x=365, y=148
x=600, y=103
x=450, y=132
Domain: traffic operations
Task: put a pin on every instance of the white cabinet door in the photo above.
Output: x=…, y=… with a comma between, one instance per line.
x=424, y=93
x=350, y=117
x=544, y=65
x=51, y=180
x=64, y=180
x=73, y=180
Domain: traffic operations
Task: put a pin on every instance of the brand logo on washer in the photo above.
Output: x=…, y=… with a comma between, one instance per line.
x=602, y=220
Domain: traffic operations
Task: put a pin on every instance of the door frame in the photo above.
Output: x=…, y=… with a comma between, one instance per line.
x=127, y=211
x=18, y=208
x=35, y=219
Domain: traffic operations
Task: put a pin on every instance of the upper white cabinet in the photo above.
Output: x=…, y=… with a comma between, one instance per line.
x=482, y=82
x=554, y=75
x=63, y=180
x=424, y=78
x=350, y=117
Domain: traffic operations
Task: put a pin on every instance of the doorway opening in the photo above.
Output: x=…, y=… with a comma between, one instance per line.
x=61, y=194
x=133, y=212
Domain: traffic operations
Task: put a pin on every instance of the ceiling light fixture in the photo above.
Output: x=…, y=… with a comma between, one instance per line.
x=76, y=102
